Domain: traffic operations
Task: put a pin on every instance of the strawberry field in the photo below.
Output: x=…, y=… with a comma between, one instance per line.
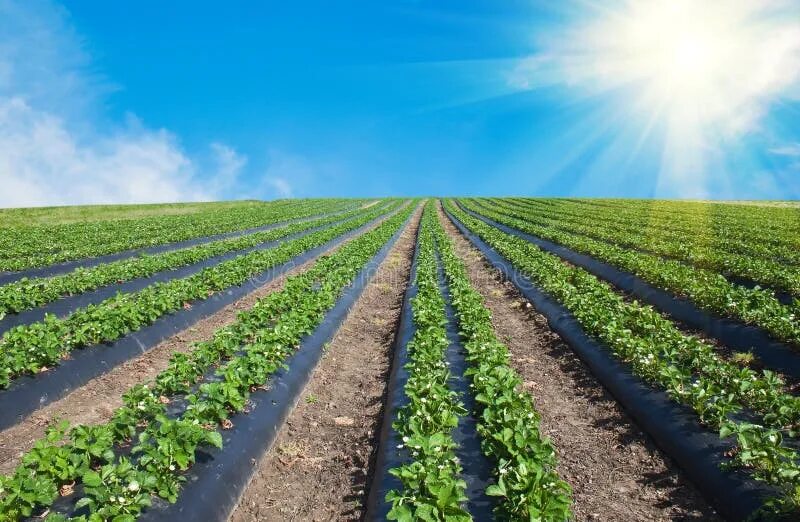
x=429, y=359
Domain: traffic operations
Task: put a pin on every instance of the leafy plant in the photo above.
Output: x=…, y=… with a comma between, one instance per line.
x=431, y=485
x=28, y=349
x=526, y=483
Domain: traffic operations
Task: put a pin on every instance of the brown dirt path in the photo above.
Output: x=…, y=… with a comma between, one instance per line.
x=319, y=467
x=96, y=401
x=615, y=470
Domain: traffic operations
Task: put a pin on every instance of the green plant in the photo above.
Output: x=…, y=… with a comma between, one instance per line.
x=526, y=482
x=36, y=245
x=29, y=293
x=431, y=486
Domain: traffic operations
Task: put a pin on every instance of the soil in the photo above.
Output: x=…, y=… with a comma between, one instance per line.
x=320, y=465
x=615, y=470
x=96, y=401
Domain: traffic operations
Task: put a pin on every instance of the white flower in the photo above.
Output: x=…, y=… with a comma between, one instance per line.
x=133, y=486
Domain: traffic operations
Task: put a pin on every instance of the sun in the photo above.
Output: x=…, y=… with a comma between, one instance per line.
x=684, y=53
x=712, y=59
x=696, y=74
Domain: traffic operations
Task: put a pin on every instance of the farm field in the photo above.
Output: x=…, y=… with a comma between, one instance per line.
x=442, y=359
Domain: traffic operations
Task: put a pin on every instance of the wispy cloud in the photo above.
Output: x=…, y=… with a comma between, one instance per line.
x=288, y=175
x=792, y=150
x=229, y=164
x=789, y=156
x=280, y=186
x=57, y=145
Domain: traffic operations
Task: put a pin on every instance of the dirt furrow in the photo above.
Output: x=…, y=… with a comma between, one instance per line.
x=319, y=467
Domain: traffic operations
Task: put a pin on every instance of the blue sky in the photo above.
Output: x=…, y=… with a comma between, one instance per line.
x=184, y=100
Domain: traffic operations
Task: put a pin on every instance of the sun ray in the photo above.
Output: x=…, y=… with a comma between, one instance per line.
x=703, y=72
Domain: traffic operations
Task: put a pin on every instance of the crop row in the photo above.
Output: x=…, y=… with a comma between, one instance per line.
x=37, y=346
x=708, y=290
x=41, y=245
x=694, y=230
x=526, y=482
x=775, y=222
x=635, y=235
x=30, y=293
x=719, y=391
x=91, y=461
x=431, y=485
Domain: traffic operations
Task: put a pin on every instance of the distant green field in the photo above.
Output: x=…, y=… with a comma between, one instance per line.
x=20, y=217
x=43, y=236
x=759, y=203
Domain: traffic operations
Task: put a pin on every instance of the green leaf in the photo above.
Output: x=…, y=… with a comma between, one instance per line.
x=214, y=438
x=495, y=491
x=84, y=501
x=91, y=479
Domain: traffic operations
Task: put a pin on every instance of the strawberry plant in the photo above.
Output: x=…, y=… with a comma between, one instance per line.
x=431, y=486
x=761, y=232
x=526, y=481
x=694, y=249
x=29, y=246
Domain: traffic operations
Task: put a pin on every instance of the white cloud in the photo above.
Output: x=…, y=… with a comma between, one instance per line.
x=790, y=153
x=792, y=150
x=229, y=165
x=56, y=145
x=280, y=186
x=42, y=162
x=287, y=175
